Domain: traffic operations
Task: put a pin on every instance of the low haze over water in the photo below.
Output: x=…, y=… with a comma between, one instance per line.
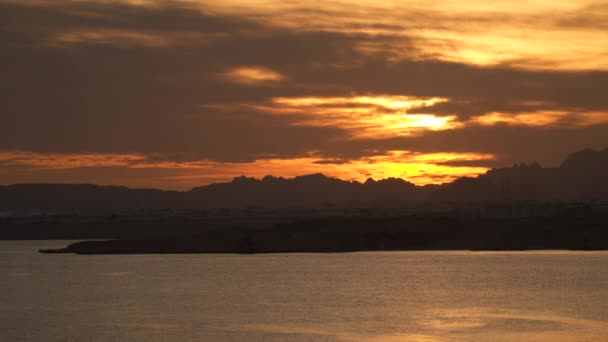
x=392, y=296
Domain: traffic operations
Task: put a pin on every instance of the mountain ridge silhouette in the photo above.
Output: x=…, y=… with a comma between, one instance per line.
x=580, y=177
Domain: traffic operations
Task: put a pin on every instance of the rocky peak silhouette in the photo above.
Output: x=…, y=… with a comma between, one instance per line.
x=582, y=176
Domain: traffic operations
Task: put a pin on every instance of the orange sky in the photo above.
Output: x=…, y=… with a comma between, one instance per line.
x=418, y=168
x=176, y=94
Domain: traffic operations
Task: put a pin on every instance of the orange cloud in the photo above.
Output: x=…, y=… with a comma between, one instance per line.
x=527, y=34
x=388, y=116
x=253, y=75
x=415, y=167
x=112, y=36
x=543, y=118
x=370, y=117
x=68, y=161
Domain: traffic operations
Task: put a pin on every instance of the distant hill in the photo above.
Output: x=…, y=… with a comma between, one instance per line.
x=582, y=176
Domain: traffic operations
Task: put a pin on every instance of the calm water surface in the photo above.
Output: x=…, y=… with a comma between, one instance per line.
x=396, y=296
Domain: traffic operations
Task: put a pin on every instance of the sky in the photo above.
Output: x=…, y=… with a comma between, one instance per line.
x=177, y=94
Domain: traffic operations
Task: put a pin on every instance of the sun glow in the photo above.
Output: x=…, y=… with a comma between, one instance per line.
x=385, y=101
x=418, y=168
x=369, y=117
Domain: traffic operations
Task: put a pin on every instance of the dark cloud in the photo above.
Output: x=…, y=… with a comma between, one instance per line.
x=548, y=146
x=334, y=161
x=44, y=20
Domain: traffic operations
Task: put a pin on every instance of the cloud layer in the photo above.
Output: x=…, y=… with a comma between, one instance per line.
x=245, y=84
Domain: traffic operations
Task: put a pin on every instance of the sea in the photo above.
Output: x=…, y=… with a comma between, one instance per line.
x=368, y=296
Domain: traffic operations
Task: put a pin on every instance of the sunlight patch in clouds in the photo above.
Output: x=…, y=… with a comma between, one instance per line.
x=387, y=101
x=253, y=75
x=389, y=116
x=365, y=116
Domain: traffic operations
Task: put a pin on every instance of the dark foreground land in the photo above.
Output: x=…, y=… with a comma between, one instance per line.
x=565, y=231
